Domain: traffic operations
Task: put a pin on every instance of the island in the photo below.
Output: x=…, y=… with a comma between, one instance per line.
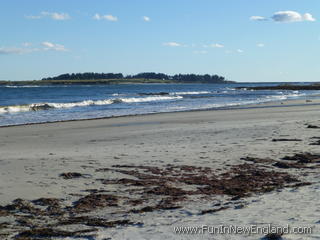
x=118, y=78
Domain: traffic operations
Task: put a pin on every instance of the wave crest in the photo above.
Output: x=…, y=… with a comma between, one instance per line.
x=47, y=106
x=190, y=93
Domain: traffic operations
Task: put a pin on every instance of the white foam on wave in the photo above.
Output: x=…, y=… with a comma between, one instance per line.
x=190, y=93
x=22, y=86
x=281, y=97
x=46, y=106
x=294, y=94
x=81, y=104
x=149, y=99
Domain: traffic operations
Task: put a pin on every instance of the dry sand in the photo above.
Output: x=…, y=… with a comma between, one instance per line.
x=33, y=156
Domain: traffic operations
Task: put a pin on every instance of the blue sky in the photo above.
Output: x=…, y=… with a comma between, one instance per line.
x=247, y=40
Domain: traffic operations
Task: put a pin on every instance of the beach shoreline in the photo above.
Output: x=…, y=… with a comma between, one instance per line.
x=41, y=161
x=271, y=104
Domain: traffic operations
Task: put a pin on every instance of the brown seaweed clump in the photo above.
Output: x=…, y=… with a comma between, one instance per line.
x=144, y=189
x=94, y=201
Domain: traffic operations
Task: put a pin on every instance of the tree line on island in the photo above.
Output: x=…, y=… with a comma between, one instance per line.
x=183, y=78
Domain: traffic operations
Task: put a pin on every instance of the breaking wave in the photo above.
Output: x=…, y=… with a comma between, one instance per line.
x=47, y=106
x=173, y=93
x=190, y=93
x=22, y=86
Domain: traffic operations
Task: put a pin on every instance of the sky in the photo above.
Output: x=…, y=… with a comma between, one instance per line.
x=242, y=40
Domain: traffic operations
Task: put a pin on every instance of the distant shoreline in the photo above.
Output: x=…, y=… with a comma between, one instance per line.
x=287, y=86
x=293, y=87
x=101, y=82
x=119, y=78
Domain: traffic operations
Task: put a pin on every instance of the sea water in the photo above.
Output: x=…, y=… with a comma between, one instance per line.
x=35, y=104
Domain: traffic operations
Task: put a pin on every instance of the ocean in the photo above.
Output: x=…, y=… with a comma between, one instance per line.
x=36, y=104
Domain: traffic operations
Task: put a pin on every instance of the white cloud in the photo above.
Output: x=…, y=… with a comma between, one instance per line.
x=52, y=15
x=260, y=45
x=48, y=44
x=292, y=16
x=34, y=17
x=308, y=17
x=28, y=49
x=172, y=44
x=53, y=46
x=258, y=18
x=216, y=45
x=26, y=44
x=286, y=16
x=111, y=18
x=146, y=19
x=59, y=16
x=17, y=50
x=11, y=50
x=97, y=16
x=200, y=52
x=105, y=17
x=240, y=51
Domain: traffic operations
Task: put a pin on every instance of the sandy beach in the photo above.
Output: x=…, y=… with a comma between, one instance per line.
x=102, y=151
